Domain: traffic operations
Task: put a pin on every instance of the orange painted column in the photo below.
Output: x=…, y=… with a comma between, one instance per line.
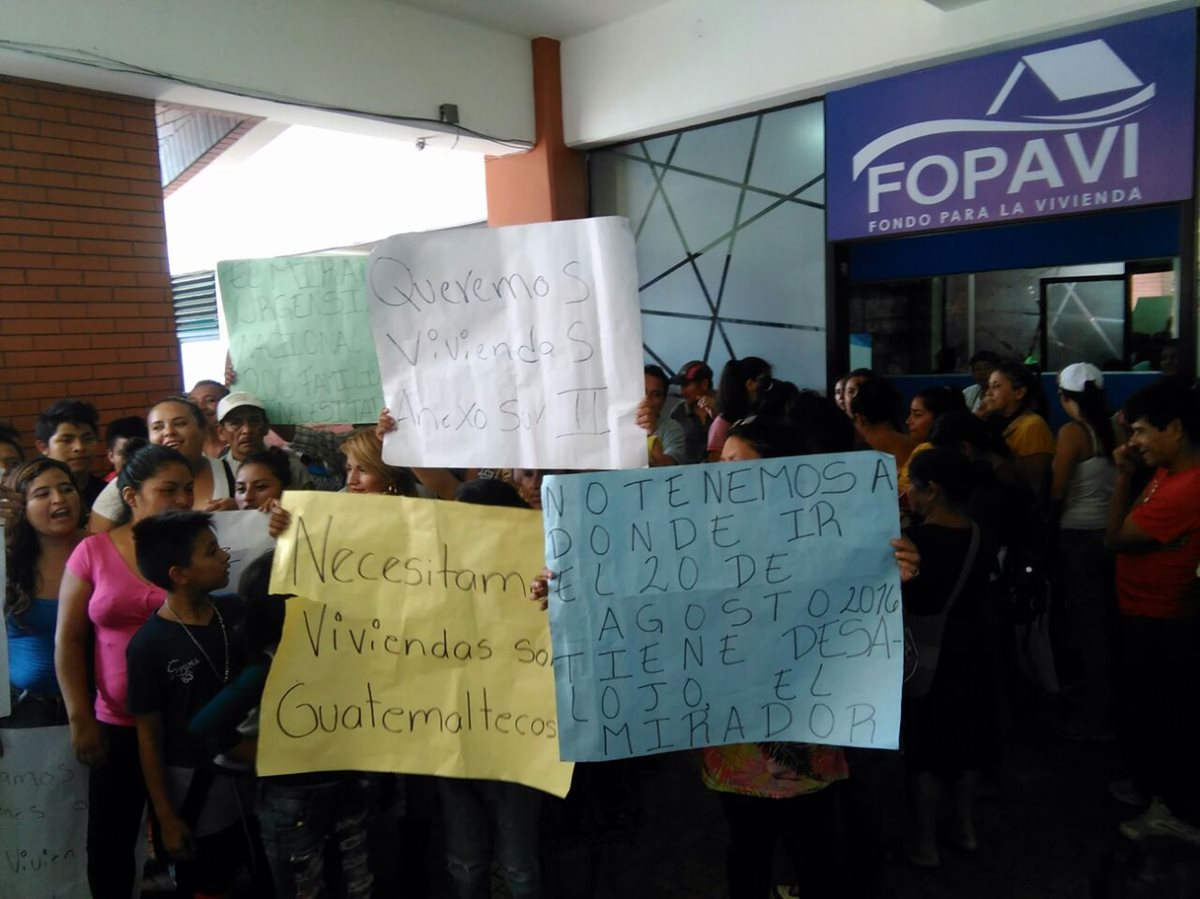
x=548, y=183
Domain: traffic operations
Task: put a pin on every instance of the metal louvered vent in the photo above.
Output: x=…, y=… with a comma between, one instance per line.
x=195, y=298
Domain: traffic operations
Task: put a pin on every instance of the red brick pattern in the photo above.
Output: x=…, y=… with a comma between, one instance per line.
x=85, y=290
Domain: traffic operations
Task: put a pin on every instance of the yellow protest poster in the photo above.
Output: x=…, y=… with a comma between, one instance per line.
x=411, y=645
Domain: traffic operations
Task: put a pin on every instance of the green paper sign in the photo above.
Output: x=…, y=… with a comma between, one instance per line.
x=300, y=337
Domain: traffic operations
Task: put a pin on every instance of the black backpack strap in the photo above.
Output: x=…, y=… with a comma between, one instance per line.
x=968, y=564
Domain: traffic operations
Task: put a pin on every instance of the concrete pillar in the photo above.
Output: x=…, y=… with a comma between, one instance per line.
x=548, y=183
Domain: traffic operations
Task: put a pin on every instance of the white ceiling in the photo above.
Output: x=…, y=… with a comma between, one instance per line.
x=537, y=18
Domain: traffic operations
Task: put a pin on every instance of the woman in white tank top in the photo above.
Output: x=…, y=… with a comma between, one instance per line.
x=1084, y=475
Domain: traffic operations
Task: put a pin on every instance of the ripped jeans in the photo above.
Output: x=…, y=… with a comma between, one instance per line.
x=488, y=819
x=299, y=820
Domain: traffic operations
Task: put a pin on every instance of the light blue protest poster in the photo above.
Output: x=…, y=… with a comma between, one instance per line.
x=300, y=337
x=725, y=603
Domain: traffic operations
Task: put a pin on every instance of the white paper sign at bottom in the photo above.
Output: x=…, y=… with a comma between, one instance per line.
x=43, y=816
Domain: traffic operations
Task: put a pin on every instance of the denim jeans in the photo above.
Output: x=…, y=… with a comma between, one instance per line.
x=486, y=816
x=298, y=820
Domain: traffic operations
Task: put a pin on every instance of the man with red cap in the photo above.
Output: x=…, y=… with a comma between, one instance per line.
x=697, y=410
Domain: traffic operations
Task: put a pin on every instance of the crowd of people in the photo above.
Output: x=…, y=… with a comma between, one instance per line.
x=121, y=624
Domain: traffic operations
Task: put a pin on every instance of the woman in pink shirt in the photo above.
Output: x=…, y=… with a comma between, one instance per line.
x=101, y=604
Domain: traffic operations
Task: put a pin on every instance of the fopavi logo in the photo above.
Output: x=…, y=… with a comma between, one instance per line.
x=1089, y=69
x=1095, y=122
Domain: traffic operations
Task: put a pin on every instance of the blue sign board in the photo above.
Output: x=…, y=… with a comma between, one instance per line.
x=725, y=603
x=1091, y=122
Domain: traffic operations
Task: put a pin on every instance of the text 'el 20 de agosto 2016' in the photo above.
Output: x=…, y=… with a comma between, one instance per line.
x=739, y=602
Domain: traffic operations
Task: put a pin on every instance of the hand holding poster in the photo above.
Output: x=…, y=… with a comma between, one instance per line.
x=726, y=603
x=412, y=645
x=511, y=347
x=44, y=810
x=300, y=337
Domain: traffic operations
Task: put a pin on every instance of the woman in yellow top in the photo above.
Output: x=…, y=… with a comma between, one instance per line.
x=1015, y=398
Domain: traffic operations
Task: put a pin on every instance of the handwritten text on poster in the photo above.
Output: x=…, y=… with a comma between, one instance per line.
x=511, y=347
x=730, y=603
x=414, y=647
x=300, y=337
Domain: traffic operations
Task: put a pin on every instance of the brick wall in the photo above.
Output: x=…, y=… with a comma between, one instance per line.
x=85, y=292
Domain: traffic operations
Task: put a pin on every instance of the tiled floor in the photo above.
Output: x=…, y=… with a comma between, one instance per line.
x=1047, y=828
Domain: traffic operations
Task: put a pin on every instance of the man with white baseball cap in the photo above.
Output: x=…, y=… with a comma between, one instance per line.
x=242, y=418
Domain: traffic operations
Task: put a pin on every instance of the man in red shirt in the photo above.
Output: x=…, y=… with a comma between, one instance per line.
x=1157, y=542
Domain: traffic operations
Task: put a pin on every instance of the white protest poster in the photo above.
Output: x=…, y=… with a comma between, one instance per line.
x=244, y=535
x=5, y=694
x=515, y=347
x=43, y=816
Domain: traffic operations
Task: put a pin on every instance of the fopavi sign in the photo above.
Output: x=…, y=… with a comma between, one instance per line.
x=1095, y=121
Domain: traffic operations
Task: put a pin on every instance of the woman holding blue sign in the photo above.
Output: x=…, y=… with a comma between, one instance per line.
x=774, y=791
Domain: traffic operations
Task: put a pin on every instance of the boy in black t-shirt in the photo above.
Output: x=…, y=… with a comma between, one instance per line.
x=179, y=660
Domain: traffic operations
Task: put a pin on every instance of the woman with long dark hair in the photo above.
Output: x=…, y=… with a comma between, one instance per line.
x=946, y=726
x=102, y=602
x=1016, y=402
x=1088, y=436
x=1082, y=488
x=773, y=791
x=261, y=479
x=38, y=541
x=1000, y=502
x=926, y=407
x=742, y=383
x=178, y=423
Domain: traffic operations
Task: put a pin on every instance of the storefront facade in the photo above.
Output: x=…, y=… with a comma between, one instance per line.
x=1037, y=202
